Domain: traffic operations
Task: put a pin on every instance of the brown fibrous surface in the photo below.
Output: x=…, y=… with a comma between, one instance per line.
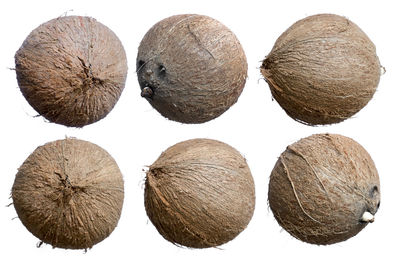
x=321, y=186
x=199, y=193
x=191, y=68
x=69, y=194
x=71, y=70
x=322, y=70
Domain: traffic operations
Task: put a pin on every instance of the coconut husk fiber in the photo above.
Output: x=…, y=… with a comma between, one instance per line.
x=191, y=68
x=322, y=70
x=324, y=189
x=71, y=70
x=199, y=193
x=69, y=194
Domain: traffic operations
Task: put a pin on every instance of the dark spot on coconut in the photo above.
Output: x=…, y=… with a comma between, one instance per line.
x=199, y=193
x=139, y=65
x=69, y=194
x=320, y=189
x=162, y=71
x=374, y=191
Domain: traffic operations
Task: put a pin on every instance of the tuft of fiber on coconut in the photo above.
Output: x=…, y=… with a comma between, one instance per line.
x=322, y=70
x=191, y=68
x=71, y=70
x=69, y=194
x=199, y=193
x=324, y=189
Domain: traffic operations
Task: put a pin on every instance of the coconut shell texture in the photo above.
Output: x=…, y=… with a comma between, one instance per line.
x=199, y=193
x=321, y=186
x=191, y=68
x=69, y=193
x=322, y=70
x=71, y=70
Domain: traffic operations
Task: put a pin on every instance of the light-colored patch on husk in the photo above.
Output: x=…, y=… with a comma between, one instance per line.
x=69, y=193
x=71, y=70
x=321, y=186
x=322, y=70
x=194, y=65
x=199, y=193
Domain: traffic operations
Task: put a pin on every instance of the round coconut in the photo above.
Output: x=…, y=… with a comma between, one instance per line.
x=322, y=70
x=324, y=189
x=191, y=68
x=199, y=193
x=69, y=194
x=71, y=70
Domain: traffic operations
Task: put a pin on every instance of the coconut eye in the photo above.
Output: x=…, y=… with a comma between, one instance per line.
x=139, y=65
x=374, y=191
x=161, y=71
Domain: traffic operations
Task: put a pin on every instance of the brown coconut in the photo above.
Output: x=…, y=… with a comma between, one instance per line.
x=71, y=70
x=324, y=189
x=199, y=193
x=191, y=68
x=322, y=70
x=69, y=194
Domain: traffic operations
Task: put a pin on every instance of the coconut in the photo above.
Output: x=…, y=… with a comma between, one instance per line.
x=71, y=70
x=191, y=68
x=69, y=194
x=322, y=70
x=324, y=189
x=199, y=193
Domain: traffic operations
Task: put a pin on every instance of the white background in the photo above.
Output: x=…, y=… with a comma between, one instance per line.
x=135, y=134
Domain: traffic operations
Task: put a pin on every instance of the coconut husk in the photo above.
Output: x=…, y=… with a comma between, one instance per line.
x=191, y=68
x=71, y=70
x=322, y=70
x=199, y=193
x=323, y=187
x=69, y=194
